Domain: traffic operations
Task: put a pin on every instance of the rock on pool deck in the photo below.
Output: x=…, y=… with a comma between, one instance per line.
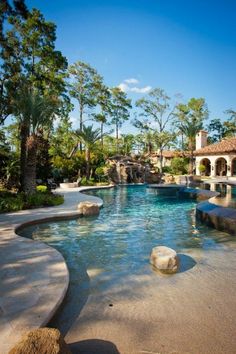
x=33, y=276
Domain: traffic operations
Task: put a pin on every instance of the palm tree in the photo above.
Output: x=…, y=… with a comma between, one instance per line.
x=101, y=118
x=190, y=119
x=88, y=137
x=35, y=113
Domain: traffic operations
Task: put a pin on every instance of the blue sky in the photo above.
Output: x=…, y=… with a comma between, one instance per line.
x=182, y=46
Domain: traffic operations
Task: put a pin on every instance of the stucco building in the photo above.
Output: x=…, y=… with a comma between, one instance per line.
x=219, y=159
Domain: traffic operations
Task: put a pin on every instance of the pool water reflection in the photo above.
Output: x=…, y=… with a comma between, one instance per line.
x=118, y=242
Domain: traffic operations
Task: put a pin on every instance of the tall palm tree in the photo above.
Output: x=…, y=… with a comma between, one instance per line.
x=35, y=113
x=101, y=119
x=88, y=137
x=190, y=119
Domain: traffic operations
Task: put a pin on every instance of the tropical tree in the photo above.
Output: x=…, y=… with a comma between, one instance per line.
x=217, y=130
x=190, y=118
x=155, y=113
x=163, y=140
x=34, y=113
x=128, y=142
x=103, y=97
x=17, y=8
x=155, y=110
x=119, y=110
x=230, y=124
x=101, y=118
x=84, y=86
x=88, y=137
x=28, y=58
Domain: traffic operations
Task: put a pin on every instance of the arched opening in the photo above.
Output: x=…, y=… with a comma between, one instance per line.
x=206, y=170
x=221, y=167
x=233, y=167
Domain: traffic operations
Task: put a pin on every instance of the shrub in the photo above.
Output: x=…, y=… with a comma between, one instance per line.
x=166, y=169
x=13, y=202
x=100, y=172
x=41, y=188
x=202, y=168
x=179, y=166
x=39, y=199
x=85, y=182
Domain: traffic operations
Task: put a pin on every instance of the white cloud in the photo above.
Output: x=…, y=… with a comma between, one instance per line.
x=144, y=89
x=131, y=81
x=124, y=87
x=128, y=86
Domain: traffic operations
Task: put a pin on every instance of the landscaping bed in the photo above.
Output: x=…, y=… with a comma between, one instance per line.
x=12, y=201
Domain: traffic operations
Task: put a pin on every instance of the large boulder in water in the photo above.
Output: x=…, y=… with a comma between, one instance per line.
x=88, y=208
x=41, y=341
x=164, y=259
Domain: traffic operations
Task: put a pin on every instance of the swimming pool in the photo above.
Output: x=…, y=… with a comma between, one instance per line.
x=116, y=244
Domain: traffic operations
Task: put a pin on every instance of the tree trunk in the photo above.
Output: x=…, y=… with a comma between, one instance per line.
x=161, y=161
x=87, y=158
x=30, y=175
x=80, y=124
x=117, y=137
x=102, y=135
x=24, y=133
x=191, y=162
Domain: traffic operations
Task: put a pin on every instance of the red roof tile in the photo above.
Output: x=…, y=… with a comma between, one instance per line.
x=224, y=146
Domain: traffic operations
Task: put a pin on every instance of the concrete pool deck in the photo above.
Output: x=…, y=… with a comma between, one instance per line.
x=34, y=277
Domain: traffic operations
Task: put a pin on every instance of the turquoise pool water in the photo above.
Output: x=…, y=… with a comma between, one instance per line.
x=119, y=241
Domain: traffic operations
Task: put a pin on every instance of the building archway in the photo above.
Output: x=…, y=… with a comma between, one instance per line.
x=233, y=167
x=207, y=163
x=221, y=167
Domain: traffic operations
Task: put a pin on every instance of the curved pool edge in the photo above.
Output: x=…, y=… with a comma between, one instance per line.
x=34, y=276
x=221, y=218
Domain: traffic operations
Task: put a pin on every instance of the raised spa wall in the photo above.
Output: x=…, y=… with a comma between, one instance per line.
x=222, y=218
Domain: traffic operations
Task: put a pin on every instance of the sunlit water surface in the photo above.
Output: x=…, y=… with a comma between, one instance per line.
x=118, y=242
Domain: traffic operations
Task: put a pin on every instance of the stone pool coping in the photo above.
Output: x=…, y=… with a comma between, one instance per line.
x=34, y=276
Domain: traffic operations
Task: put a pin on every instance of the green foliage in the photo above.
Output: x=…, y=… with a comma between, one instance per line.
x=17, y=201
x=154, y=107
x=41, y=189
x=202, y=168
x=166, y=169
x=179, y=165
x=87, y=182
x=119, y=109
x=100, y=173
x=190, y=118
x=43, y=199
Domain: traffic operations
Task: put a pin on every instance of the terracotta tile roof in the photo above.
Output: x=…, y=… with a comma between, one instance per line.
x=224, y=146
x=171, y=154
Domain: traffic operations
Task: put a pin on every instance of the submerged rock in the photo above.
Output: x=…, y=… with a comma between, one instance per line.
x=41, y=341
x=164, y=259
x=88, y=208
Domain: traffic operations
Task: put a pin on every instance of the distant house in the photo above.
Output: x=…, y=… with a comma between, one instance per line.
x=167, y=157
x=219, y=159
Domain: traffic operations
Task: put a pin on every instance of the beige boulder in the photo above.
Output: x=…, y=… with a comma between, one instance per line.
x=41, y=341
x=88, y=208
x=164, y=259
x=169, y=179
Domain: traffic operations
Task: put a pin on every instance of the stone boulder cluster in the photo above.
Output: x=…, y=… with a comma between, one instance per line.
x=126, y=169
